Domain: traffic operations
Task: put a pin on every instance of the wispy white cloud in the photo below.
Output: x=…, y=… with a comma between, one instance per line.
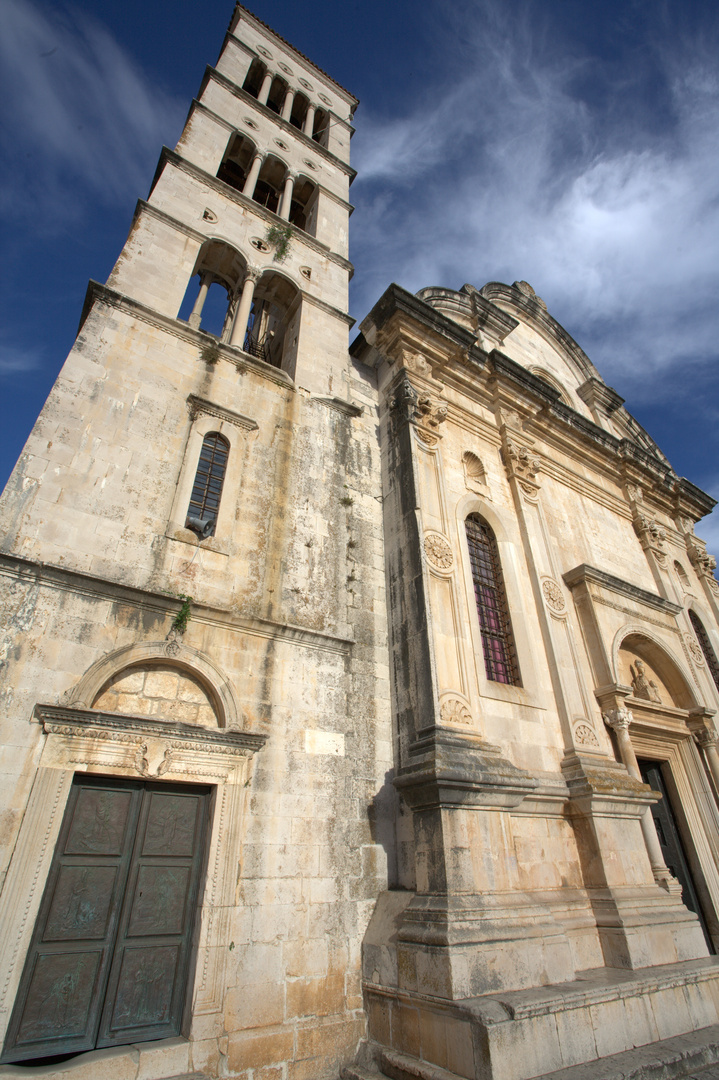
x=84, y=118
x=512, y=174
x=19, y=360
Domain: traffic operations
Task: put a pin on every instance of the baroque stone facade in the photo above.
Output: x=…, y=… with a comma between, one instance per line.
x=357, y=702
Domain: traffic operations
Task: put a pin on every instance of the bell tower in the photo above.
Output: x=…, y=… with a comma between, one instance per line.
x=192, y=588
x=253, y=203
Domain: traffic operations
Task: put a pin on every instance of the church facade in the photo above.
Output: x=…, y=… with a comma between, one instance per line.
x=357, y=699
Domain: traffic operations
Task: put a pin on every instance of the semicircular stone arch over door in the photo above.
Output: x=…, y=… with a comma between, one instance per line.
x=110, y=955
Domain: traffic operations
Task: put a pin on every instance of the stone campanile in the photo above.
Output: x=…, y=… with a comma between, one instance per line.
x=193, y=649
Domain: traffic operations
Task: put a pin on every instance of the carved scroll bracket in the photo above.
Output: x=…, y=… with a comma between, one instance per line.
x=522, y=462
x=425, y=412
x=652, y=536
x=704, y=563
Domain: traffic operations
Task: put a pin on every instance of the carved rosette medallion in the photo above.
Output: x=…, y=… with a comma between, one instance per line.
x=553, y=596
x=454, y=711
x=438, y=552
x=584, y=735
x=695, y=650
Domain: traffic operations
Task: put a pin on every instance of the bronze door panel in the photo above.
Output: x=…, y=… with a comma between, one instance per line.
x=59, y=1000
x=146, y=987
x=81, y=903
x=99, y=822
x=110, y=952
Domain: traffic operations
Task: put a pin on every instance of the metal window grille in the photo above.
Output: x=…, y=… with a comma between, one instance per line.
x=500, y=656
x=210, y=475
x=703, y=639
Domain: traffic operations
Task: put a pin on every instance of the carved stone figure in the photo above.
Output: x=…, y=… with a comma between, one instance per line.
x=642, y=687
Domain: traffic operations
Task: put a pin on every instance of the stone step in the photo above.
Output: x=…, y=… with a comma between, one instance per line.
x=685, y=1057
x=354, y=1072
x=671, y=1059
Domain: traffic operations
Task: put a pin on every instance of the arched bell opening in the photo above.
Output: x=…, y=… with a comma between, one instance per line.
x=303, y=208
x=321, y=127
x=210, y=296
x=236, y=163
x=276, y=97
x=299, y=110
x=254, y=78
x=273, y=326
x=268, y=189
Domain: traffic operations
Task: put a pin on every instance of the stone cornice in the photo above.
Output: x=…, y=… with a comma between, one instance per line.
x=168, y=156
x=586, y=574
x=179, y=329
x=283, y=125
x=537, y=315
x=398, y=301
x=348, y=408
x=78, y=581
x=200, y=405
x=597, y=394
x=251, y=17
x=93, y=723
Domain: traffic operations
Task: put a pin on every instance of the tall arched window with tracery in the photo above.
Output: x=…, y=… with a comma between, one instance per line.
x=703, y=638
x=500, y=654
x=207, y=488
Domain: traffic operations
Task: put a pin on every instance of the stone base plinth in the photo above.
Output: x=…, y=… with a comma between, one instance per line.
x=530, y=1033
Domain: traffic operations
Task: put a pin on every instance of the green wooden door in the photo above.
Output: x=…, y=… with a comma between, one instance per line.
x=110, y=953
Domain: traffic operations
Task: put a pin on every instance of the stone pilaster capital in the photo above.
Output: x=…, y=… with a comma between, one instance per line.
x=652, y=535
x=618, y=719
x=522, y=462
x=706, y=737
x=253, y=274
x=701, y=560
x=424, y=411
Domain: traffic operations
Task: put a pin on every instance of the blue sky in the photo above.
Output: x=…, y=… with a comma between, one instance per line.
x=574, y=145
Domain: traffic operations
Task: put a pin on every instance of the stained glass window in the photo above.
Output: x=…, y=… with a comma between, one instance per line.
x=500, y=656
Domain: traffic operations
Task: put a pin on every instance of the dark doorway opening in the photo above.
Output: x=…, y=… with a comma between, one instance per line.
x=671, y=843
x=110, y=955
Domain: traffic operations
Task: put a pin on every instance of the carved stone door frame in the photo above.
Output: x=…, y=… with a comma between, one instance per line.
x=110, y=744
x=662, y=734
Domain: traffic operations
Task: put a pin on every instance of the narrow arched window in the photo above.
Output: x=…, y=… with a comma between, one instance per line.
x=681, y=574
x=703, y=639
x=500, y=655
x=207, y=488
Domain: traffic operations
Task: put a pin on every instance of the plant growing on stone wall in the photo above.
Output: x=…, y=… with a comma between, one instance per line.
x=179, y=623
x=210, y=353
x=278, y=237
